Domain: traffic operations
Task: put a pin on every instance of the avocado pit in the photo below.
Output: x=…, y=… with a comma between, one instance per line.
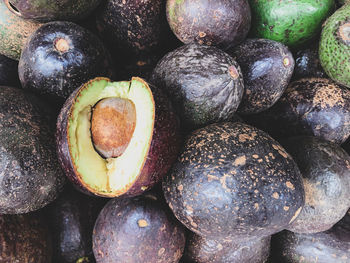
x=112, y=126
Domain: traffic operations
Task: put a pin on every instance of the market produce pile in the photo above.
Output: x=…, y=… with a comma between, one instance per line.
x=165, y=131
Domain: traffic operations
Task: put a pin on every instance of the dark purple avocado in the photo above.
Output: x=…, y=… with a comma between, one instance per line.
x=204, y=83
x=137, y=230
x=325, y=168
x=31, y=174
x=234, y=182
x=267, y=67
x=61, y=56
x=204, y=250
x=25, y=239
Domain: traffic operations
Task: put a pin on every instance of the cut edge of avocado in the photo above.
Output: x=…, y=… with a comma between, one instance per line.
x=110, y=177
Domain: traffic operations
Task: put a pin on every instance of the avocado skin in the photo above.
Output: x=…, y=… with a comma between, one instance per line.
x=72, y=217
x=265, y=76
x=14, y=32
x=197, y=80
x=118, y=236
x=203, y=250
x=222, y=23
x=165, y=144
x=25, y=238
x=333, y=51
x=225, y=179
x=32, y=177
x=326, y=175
x=313, y=107
x=332, y=246
x=51, y=10
x=46, y=71
x=8, y=72
x=289, y=22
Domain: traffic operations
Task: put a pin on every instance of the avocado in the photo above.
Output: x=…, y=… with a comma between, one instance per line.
x=234, y=182
x=291, y=22
x=116, y=138
x=267, y=67
x=332, y=246
x=307, y=63
x=51, y=10
x=61, y=56
x=222, y=23
x=25, y=238
x=334, y=46
x=137, y=230
x=312, y=106
x=325, y=168
x=8, y=72
x=31, y=175
x=204, y=250
x=204, y=83
x=72, y=217
x=14, y=32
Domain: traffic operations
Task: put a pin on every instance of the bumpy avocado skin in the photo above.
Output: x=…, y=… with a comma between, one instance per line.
x=334, y=47
x=204, y=83
x=290, y=22
x=25, y=238
x=14, y=32
x=267, y=67
x=204, y=250
x=326, y=177
x=31, y=175
x=332, y=246
x=234, y=181
x=52, y=10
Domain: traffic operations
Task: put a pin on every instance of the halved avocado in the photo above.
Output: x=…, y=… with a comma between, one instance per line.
x=115, y=138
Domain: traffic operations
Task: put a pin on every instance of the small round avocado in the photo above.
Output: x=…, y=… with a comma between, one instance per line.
x=292, y=22
x=204, y=83
x=334, y=46
x=267, y=67
x=222, y=23
x=137, y=230
x=325, y=168
x=233, y=181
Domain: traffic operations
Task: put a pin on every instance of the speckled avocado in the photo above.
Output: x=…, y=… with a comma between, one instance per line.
x=61, y=56
x=334, y=46
x=204, y=250
x=137, y=230
x=325, y=168
x=311, y=106
x=51, y=10
x=267, y=67
x=233, y=181
x=223, y=23
x=332, y=246
x=290, y=22
x=24, y=238
x=31, y=175
x=14, y=32
x=204, y=83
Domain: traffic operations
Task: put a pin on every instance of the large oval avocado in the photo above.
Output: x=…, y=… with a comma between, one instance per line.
x=24, y=238
x=234, y=181
x=61, y=56
x=325, y=168
x=137, y=230
x=31, y=175
x=204, y=83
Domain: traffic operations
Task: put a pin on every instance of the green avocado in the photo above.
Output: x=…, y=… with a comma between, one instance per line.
x=292, y=22
x=334, y=47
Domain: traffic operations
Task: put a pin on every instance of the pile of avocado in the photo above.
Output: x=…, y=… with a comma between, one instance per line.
x=207, y=131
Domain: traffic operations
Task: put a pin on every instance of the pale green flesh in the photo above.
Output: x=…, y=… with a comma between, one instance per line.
x=114, y=174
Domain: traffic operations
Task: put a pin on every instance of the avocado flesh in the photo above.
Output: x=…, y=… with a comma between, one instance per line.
x=112, y=175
